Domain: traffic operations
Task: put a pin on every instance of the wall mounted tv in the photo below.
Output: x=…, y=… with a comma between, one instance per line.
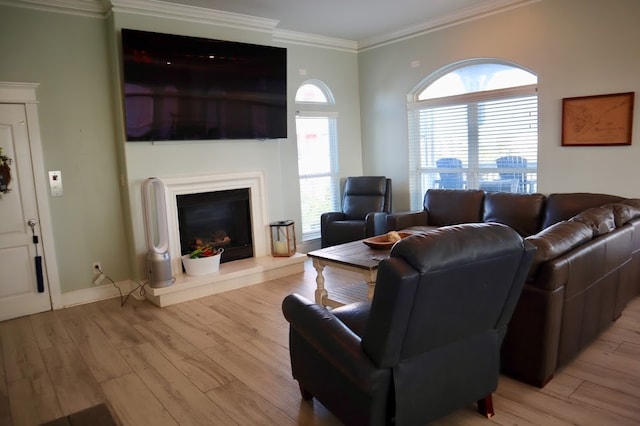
x=190, y=88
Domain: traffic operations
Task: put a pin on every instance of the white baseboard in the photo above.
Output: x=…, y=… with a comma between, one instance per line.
x=94, y=294
x=231, y=276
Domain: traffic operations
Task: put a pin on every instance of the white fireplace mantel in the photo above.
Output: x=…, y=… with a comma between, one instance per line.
x=254, y=181
x=231, y=275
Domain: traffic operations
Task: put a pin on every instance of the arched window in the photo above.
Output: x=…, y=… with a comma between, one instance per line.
x=313, y=93
x=474, y=125
x=316, y=128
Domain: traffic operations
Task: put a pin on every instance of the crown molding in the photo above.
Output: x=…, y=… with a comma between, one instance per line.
x=463, y=15
x=163, y=9
x=305, y=39
x=156, y=8
x=92, y=8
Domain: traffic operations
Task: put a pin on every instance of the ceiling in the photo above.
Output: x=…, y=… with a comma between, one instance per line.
x=359, y=23
x=362, y=21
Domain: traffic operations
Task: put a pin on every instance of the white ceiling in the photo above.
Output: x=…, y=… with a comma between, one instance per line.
x=360, y=23
x=359, y=20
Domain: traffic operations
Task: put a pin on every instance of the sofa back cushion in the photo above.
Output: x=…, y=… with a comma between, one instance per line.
x=522, y=212
x=624, y=211
x=556, y=240
x=635, y=202
x=564, y=206
x=599, y=219
x=452, y=207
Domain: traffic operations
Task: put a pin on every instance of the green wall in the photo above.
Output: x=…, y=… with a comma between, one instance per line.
x=277, y=159
x=576, y=47
x=66, y=55
x=76, y=61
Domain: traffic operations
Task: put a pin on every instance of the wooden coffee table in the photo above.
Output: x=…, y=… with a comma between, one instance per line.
x=354, y=256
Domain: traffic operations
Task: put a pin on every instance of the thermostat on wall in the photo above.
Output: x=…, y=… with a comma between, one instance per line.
x=55, y=183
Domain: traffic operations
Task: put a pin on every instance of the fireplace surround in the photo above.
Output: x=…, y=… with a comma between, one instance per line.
x=233, y=274
x=252, y=181
x=220, y=219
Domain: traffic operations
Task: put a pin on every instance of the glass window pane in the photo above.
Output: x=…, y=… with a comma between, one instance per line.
x=477, y=78
x=317, y=158
x=310, y=93
x=488, y=140
x=314, y=146
x=443, y=134
x=318, y=196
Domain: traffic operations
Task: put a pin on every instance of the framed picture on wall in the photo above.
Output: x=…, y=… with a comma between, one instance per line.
x=599, y=120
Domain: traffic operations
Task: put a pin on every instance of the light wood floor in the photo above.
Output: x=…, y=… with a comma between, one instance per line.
x=223, y=359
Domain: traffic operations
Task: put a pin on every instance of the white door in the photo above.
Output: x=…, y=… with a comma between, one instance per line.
x=21, y=293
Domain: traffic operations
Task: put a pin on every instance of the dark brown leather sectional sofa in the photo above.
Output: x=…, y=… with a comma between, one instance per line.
x=585, y=271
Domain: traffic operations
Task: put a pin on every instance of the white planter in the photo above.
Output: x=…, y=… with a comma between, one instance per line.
x=202, y=265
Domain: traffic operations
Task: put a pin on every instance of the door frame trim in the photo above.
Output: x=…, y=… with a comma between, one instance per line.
x=25, y=94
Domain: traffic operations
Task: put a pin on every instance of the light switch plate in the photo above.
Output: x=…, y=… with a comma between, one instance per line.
x=55, y=183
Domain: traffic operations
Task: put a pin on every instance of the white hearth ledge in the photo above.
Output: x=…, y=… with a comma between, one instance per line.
x=231, y=276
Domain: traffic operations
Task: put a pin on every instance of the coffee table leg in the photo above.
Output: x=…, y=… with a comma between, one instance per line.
x=371, y=277
x=321, y=292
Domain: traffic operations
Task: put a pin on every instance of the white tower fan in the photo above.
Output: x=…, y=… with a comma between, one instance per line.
x=155, y=224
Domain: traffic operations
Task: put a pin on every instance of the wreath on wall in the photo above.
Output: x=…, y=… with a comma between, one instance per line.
x=5, y=173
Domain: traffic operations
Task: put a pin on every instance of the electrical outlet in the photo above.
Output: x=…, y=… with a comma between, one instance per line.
x=96, y=267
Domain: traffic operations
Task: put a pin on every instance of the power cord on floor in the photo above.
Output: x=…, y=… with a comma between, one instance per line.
x=123, y=299
x=141, y=293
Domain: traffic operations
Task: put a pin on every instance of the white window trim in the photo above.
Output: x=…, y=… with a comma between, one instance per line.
x=414, y=106
x=322, y=110
x=317, y=114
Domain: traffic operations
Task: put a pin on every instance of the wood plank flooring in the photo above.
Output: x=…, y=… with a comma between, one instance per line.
x=223, y=360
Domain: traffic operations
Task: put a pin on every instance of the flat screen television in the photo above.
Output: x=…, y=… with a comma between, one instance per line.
x=191, y=88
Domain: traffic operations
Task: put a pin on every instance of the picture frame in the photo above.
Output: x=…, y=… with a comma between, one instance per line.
x=600, y=120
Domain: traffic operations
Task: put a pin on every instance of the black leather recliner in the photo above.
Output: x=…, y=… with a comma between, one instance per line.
x=428, y=342
x=365, y=204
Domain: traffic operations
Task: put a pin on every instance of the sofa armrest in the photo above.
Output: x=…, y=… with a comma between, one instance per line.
x=403, y=220
x=325, y=220
x=331, y=338
x=556, y=240
x=375, y=224
x=332, y=217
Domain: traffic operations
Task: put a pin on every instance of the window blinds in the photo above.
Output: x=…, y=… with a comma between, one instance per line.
x=318, y=170
x=478, y=129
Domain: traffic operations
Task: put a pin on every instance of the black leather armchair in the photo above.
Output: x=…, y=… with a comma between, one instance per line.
x=429, y=341
x=365, y=203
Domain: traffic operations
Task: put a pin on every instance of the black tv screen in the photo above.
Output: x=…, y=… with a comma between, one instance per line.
x=190, y=88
